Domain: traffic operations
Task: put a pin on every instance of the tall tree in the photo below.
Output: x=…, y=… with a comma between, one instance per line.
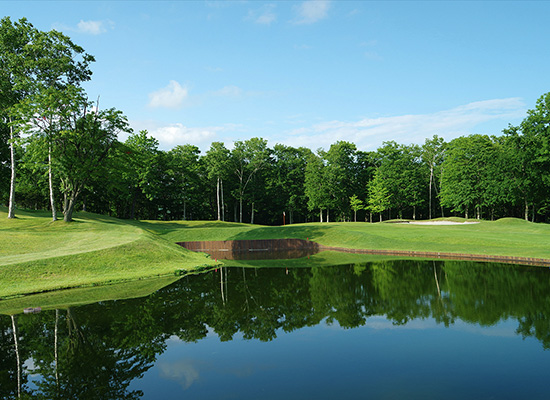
x=32, y=61
x=217, y=162
x=432, y=155
x=82, y=147
x=247, y=159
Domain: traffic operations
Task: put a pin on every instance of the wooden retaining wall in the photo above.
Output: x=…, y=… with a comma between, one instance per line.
x=230, y=249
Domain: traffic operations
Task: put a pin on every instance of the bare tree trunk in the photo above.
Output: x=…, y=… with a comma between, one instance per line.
x=321, y=215
x=11, y=209
x=50, y=182
x=526, y=210
x=252, y=214
x=218, y=197
x=55, y=348
x=414, y=213
x=241, y=209
x=223, y=205
x=380, y=217
x=16, y=343
x=431, y=182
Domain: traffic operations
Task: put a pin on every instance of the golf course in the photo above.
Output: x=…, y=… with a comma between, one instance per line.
x=38, y=255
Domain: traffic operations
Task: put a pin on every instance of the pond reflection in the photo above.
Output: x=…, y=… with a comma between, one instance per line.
x=104, y=350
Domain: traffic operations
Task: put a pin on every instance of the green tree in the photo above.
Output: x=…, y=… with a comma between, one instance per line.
x=379, y=197
x=356, y=205
x=247, y=158
x=217, y=161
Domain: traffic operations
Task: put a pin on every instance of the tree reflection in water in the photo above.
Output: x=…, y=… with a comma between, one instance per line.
x=96, y=351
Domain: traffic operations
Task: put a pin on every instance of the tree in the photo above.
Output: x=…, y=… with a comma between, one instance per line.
x=432, y=155
x=356, y=205
x=247, y=159
x=316, y=185
x=217, y=161
x=340, y=173
x=32, y=61
x=82, y=146
x=379, y=196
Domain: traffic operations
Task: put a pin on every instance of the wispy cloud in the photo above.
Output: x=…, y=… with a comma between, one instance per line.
x=171, y=96
x=94, y=27
x=369, y=133
x=264, y=16
x=229, y=91
x=87, y=27
x=312, y=11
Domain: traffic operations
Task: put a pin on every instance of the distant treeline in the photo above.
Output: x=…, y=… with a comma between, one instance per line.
x=59, y=149
x=476, y=176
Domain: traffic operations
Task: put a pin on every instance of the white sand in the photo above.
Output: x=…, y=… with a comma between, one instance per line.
x=440, y=222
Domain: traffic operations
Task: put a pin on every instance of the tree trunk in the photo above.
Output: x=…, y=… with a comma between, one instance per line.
x=354, y=215
x=526, y=210
x=218, y=197
x=223, y=205
x=466, y=214
x=431, y=183
x=380, y=217
x=414, y=213
x=11, y=210
x=252, y=214
x=321, y=215
x=50, y=184
x=16, y=344
x=241, y=209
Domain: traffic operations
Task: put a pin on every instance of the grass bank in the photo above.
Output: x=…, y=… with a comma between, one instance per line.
x=38, y=255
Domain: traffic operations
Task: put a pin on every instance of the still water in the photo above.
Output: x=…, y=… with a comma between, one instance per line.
x=384, y=330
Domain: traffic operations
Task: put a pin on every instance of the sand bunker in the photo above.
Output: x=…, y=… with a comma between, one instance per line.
x=440, y=222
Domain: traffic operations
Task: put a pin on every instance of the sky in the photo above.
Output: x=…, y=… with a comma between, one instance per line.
x=308, y=73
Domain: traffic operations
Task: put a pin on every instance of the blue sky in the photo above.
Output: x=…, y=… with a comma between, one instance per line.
x=308, y=73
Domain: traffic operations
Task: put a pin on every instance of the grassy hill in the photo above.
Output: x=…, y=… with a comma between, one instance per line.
x=38, y=255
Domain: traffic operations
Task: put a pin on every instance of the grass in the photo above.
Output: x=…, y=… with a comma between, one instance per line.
x=37, y=255
x=505, y=237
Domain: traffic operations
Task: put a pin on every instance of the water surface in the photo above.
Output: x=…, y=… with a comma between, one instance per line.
x=384, y=330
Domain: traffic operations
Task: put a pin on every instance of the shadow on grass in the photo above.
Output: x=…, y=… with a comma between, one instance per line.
x=298, y=231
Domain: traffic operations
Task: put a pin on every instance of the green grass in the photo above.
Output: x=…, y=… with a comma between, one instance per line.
x=37, y=255
x=505, y=237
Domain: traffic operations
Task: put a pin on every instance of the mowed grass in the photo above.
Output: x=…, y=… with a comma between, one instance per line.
x=505, y=237
x=38, y=255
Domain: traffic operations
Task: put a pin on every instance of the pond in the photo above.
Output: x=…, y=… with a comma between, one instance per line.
x=379, y=330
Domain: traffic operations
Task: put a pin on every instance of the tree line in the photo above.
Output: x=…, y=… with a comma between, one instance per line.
x=60, y=150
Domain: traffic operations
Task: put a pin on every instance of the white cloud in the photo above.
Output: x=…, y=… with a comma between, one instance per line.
x=94, y=27
x=369, y=133
x=171, y=96
x=312, y=11
x=175, y=134
x=265, y=16
x=185, y=372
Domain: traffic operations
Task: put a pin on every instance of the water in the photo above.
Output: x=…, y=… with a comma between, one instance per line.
x=385, y=330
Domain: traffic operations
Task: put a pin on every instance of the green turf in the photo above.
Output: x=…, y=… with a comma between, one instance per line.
x=38, y=255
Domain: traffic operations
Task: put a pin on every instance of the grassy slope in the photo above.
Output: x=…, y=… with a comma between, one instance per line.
x=38, y=255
